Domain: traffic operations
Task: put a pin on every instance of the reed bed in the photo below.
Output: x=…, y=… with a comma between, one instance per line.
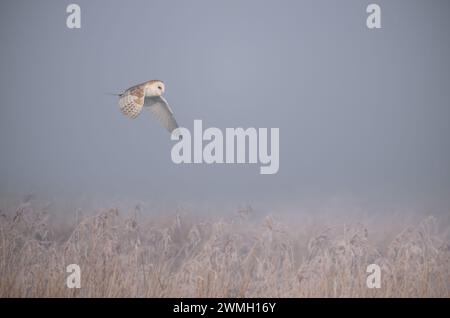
x=243, y=254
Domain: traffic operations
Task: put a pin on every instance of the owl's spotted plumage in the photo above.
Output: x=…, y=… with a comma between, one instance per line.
x=131, y=102
x=148, y=94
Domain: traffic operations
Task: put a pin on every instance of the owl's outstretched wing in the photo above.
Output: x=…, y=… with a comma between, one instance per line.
x=132, y=101
x=162, y=111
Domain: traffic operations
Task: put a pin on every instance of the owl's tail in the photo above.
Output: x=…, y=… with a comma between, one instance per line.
x=114, y=94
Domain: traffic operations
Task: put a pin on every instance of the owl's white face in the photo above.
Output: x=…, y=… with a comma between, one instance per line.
x=155, y=89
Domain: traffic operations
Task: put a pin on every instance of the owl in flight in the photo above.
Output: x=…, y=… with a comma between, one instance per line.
x=148, y=94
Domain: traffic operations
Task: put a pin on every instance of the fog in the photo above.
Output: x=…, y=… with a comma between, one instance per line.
x=360, y=112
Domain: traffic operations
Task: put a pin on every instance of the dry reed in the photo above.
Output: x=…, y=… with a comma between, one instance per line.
x=235, y=256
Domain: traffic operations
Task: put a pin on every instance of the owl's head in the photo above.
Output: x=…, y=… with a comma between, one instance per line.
x=155, y=88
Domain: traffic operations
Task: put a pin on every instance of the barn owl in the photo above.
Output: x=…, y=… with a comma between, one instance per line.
x=148, y=94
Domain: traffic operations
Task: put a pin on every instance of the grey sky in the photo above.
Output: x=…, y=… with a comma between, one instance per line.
x=359, y=111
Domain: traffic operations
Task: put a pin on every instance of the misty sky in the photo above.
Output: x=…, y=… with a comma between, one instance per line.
x=360, y=111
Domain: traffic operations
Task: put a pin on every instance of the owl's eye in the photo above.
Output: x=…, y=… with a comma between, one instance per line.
x=160, y=87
